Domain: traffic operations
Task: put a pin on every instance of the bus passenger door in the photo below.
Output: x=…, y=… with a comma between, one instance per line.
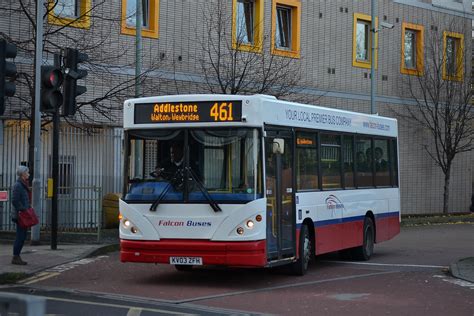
x=281, y=222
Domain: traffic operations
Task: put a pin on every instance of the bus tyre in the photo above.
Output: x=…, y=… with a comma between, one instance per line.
x=301, y=265
x=364, y=252
x=181, y=267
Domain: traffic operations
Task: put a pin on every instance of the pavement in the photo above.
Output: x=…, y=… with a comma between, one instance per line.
x=70, y=247
x=74, y=247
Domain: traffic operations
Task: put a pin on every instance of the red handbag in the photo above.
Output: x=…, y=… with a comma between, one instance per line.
x=27, y=218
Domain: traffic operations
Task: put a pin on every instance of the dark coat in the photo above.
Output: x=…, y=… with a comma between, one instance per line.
x=20, y=198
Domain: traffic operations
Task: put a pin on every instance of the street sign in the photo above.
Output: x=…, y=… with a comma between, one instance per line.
x=3, y=196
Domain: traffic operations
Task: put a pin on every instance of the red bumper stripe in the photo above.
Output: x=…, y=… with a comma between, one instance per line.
x=247, y=254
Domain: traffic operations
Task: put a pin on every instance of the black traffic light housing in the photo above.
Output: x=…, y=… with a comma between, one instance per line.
x=72, y=73
x=51, y=96
x=7, y=70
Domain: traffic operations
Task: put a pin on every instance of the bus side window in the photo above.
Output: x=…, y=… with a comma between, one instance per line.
x=364, y=162
x=394, y=162
x=348, y=160
x=306, y=162
x=382, y=162
x=331, y=161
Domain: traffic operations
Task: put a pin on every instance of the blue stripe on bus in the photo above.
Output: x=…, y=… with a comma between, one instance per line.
x=349, y=219
x=384, y=215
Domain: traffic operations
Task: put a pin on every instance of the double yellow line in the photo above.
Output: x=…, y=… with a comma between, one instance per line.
x=39, y=277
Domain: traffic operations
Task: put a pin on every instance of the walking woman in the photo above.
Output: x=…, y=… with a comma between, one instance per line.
x=21, y=200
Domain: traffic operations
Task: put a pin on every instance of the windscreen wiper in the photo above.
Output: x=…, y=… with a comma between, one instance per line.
x=206, y=194
x=158, y=200
x=176, y=181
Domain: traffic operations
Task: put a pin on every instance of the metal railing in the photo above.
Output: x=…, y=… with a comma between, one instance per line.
x=80, y=210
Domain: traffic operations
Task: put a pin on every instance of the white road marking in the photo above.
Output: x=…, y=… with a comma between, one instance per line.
x=388, y=264
x=349, y=296
x=284, y=286
x=455, y=281
x=134, y=312
x=154, y=310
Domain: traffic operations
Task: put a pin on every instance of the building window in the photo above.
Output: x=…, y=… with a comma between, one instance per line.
x=67, y=8
x=286, y=20
x=362, y=41
x=150, y=12
x=75, y=13
x=247, y=27
x=410, y=49
x=131, y=14
x=283, y=28
x=412, y=62
x=453, y=56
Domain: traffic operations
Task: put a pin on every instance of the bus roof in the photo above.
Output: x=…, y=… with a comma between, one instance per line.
x=199, y=110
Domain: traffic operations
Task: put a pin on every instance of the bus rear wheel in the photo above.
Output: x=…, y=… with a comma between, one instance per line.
x=364, y=252
x=305, y=246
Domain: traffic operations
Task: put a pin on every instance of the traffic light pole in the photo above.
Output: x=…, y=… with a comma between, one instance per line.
x=36, y=201
x=138, y=48
x=55, y=170
x=138, y=68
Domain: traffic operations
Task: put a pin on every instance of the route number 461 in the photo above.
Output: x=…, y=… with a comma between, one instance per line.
x=222, y=111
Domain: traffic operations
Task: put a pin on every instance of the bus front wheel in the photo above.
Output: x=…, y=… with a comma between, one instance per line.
x=301, y=265
x=365, y=251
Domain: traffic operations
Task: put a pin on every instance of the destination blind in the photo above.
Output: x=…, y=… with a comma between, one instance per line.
x=188, y=112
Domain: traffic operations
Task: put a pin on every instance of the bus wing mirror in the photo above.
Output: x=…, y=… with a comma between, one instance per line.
x=278, y=146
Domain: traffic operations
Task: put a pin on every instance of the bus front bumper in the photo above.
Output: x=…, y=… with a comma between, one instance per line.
x=244, y=254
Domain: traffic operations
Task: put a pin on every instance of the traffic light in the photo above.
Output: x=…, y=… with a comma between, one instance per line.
x=7, y=70
x=71, y=90
x=51, y=96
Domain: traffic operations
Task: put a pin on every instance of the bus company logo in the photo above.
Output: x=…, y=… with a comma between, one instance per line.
x=333, y=203
x=189, y=223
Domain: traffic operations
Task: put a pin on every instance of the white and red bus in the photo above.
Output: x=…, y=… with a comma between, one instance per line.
x=260, y=182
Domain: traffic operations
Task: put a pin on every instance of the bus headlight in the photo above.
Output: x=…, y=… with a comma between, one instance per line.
x=249, y=224
x=129, y=225
x=240, y=230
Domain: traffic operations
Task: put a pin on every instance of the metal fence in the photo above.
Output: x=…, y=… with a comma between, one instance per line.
x=79, y=211
x=90, y=164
